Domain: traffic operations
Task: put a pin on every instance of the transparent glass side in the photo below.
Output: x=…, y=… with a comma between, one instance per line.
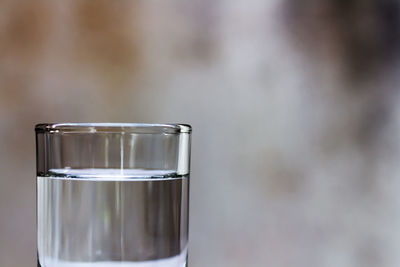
x=87, y=148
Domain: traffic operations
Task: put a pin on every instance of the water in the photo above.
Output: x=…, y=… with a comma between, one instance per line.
x=105, y=218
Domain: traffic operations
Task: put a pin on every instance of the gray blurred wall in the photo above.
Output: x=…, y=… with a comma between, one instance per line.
x=294, y=106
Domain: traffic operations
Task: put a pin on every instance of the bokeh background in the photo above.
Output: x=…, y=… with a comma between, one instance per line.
x=294, y=103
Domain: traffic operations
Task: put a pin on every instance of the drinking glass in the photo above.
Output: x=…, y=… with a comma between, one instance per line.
x=112, y=194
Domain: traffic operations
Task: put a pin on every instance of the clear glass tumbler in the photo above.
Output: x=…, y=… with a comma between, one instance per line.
x=112, y=194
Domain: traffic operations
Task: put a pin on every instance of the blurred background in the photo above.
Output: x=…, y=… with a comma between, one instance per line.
x=294, y=105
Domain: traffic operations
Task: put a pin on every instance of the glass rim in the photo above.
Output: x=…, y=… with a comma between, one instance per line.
x=140, y=128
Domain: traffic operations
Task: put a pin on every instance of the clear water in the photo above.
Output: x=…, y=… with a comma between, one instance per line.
x=98, y=217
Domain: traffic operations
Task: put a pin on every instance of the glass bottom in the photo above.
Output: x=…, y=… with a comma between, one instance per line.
x=177, y=261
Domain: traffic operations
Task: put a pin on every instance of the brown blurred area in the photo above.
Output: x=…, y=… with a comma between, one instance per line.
x=294, y=105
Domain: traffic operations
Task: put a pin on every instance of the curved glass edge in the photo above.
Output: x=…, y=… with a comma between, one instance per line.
x=156, y=128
